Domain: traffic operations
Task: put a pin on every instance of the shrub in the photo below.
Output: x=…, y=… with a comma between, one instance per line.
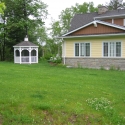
x=55, y=59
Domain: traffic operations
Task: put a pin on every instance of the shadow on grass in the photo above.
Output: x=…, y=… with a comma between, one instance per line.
x=41, y=106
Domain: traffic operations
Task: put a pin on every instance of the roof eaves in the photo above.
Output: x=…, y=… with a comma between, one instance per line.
x=111, y=16
x=95, y=35
x=25, y=46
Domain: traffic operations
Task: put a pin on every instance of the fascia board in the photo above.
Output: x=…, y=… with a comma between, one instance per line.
x=102, y=17
x=86, y=36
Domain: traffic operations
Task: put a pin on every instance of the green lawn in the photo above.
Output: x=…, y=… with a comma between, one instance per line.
x=41, y=94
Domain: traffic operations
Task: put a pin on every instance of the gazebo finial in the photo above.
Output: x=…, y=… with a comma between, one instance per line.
x=26, y=38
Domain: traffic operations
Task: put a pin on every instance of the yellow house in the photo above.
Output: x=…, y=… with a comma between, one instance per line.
x=96, y=40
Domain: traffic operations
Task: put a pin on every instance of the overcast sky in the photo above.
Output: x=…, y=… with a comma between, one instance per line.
x=56, y=6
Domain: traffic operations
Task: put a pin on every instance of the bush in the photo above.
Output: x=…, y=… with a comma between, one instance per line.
x=55, y=59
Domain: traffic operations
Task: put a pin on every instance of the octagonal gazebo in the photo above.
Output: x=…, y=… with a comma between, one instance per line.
x=25, y=52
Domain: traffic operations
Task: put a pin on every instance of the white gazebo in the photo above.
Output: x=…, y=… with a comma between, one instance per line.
x=25, y=52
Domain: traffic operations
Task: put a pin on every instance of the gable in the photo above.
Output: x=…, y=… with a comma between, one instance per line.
x=100, y=29
x=80, y=20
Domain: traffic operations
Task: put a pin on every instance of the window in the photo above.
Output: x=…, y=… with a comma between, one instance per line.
x=82, y=49
x=77, y=49
x=112, y=49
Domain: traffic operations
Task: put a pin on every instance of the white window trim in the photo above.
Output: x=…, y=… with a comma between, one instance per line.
x=79, y=49
x=108, y=50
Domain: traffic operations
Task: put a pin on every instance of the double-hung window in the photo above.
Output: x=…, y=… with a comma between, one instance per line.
x=112, y=49
x=82, y=49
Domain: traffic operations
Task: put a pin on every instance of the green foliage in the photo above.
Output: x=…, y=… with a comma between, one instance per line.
x=2, y=7
x=48, y=56
x=51, y=48
x=22, y=17
x=55, y=59
x=115, y=4
x=99, y=103
x=103, y=104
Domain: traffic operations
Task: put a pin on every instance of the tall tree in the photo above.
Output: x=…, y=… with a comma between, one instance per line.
x=22, y=17
x=56, y=32
x=2, y=8
x=115, y=4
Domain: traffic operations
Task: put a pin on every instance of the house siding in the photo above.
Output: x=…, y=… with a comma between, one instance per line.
x=69, y=48
x=100, y=29
x=96, y=46
x=96, y=60
x=118, y=21
x=108, y=20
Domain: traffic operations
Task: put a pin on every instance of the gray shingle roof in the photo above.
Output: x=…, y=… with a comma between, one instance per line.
x=82, y=19
x=25, y=43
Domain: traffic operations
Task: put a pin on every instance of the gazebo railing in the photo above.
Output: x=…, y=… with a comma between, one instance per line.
x=26, y=59
x=33, y=59
x=17, y=59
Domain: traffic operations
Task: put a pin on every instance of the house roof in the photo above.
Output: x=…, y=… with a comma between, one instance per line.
x=95, y=23
x=80, y=20
x=25, y=43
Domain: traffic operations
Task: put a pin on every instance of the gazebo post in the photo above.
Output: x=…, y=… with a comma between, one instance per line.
x=37, y=55
x=30, y=55
x=14, y=55
x=20, y=54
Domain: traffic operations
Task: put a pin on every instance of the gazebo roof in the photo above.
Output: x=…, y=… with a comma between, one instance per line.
x=25, y=43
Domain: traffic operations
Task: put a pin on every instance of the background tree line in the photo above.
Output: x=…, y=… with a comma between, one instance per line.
x=27, y=17
x=21, y=18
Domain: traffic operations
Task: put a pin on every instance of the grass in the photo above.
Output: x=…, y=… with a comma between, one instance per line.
x=54, y=95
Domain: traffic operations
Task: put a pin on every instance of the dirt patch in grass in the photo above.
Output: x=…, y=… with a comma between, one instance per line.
x=73, y=118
